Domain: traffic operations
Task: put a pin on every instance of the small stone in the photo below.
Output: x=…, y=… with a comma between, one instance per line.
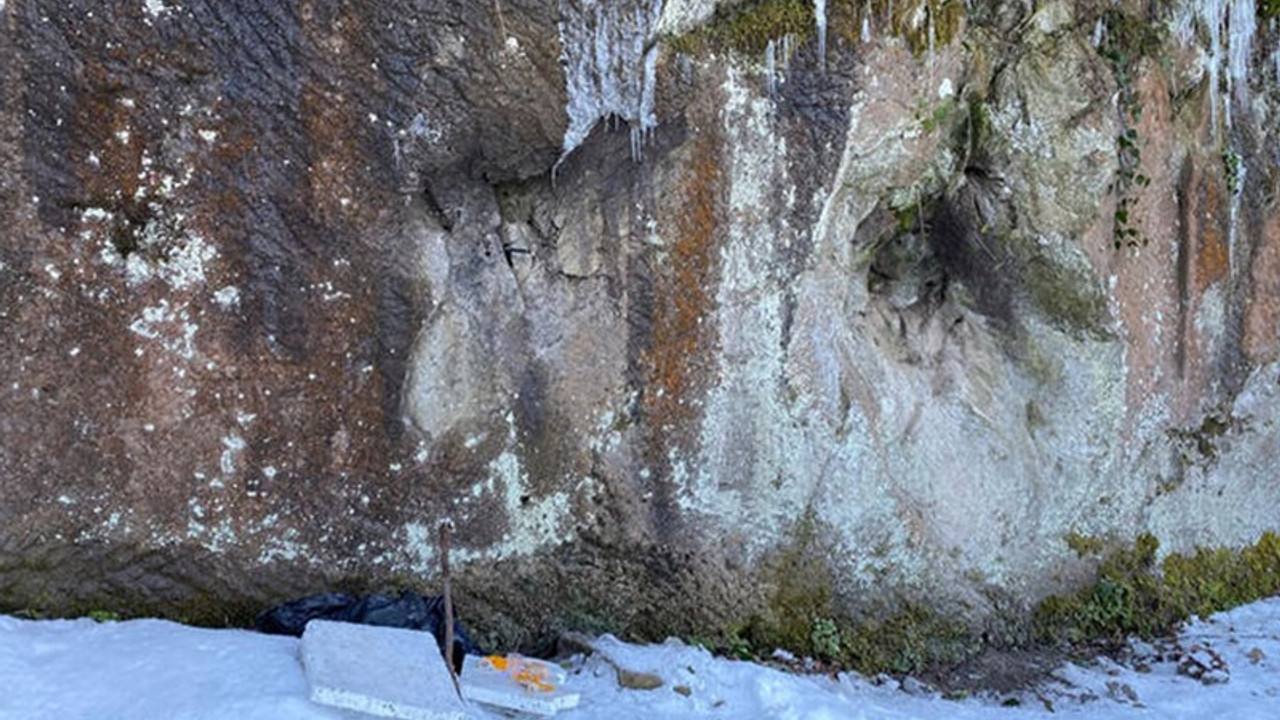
x=635, y=680
x=575, y=643
x=1215, y=677
x=1256, y=656
x=1142, y=649
x=684, y=690
x=1121, y=691
x=914, y=686
x=1204, y=664
x=886, y=680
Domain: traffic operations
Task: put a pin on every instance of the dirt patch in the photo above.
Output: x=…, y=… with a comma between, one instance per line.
x=1001, y=671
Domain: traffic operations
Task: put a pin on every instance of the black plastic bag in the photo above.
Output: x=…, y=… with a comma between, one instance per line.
x=410, y=610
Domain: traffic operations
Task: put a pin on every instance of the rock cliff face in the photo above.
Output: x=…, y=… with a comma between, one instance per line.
x=665, y=310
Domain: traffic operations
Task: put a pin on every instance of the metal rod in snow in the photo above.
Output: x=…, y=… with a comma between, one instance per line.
x=448, y=605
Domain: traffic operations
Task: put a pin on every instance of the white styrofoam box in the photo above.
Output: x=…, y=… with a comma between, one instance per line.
x=381, y=671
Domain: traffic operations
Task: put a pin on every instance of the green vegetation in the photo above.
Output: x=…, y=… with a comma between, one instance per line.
x=802, y=617
x=1128, y=181
x=941, y=115
x=1134, y=596
x=825, y=638
x=1231, y=169
x=1128, y=39
x=1204, y=439
x=909, y=641
x=923, y=24
x=747, y=28
x=1268, y=9
x=1083, y=545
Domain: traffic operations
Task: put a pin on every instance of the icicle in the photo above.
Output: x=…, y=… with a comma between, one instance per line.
x=932, y=36
x=820, y=16
x=770, y=71
x=1275, y=54
x=1230, y=27
x=866, y=22
x=1243, y=25
x=788, y=47
x=1212, y=15
x=610, y=67
x=1098, y=30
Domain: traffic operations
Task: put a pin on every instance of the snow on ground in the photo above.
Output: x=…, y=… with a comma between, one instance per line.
x=150, y=669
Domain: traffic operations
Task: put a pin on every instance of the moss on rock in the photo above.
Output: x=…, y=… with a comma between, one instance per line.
x=1135, y=596
x=748, y=28
x=802, y=617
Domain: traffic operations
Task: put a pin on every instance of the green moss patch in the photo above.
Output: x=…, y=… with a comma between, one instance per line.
x=802, y=617
x=1133, y=595
x=747, y=28
x=909, y=641
x=923, y=24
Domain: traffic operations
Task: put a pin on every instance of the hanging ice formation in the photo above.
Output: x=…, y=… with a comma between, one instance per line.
x=777, y=52
x=1230, y=27
x=820, y=17
x=770, y=68
x=610, y=56
x=1275, y=54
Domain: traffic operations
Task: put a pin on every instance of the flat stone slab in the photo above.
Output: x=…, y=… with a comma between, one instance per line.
x=512, y=683
x=387, y=672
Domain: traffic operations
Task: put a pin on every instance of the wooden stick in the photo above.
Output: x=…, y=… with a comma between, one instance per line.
x=448, y=605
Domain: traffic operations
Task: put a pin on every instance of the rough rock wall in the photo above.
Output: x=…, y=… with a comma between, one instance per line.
x=283, y=285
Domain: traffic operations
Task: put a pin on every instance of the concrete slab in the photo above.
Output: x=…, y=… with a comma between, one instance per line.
x=523, y=684
x=387, y=672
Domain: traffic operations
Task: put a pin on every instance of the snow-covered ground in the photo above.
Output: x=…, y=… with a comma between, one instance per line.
x=151, y=669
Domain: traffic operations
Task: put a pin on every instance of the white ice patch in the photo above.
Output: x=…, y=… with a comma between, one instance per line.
x=610, y=54
x=155, y=8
